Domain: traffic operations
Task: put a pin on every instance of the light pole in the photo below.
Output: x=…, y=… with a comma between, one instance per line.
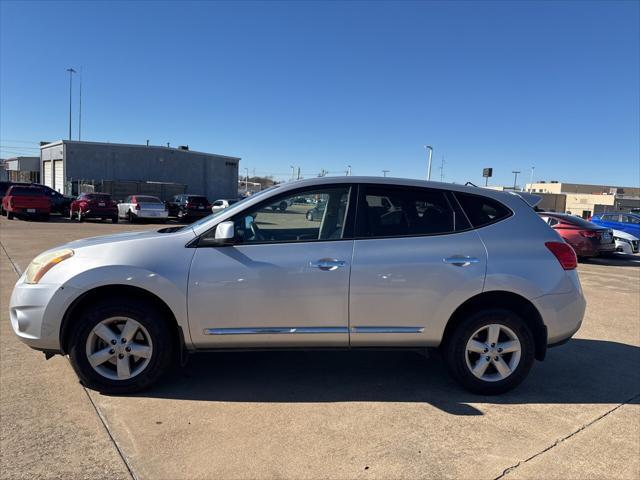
x=246, y=182
x=293, y=172
x=384, y=172
x=71, y=72
x=348, y=170
x=80, y=108
x=531, y=179
x=515, y=179
x=430, y=149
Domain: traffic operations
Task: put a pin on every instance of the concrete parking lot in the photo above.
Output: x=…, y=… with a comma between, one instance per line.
x=327, y=414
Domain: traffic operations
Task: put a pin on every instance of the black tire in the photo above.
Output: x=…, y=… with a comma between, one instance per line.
x=130, y=217
x=10, y=215
x=456, y=355
x=283, y=206
x=2, y=212
x=45, y=217
x=114, y=219
x=159, y=329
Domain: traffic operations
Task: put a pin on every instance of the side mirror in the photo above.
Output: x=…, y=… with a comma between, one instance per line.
x=225, y=232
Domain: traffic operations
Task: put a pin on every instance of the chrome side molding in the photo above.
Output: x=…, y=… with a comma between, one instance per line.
x=387, y=329
x=273, y=330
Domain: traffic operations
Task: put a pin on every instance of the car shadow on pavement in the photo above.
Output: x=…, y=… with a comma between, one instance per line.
x=582, y=371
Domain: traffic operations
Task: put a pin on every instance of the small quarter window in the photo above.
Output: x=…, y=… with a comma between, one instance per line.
x=482, y=210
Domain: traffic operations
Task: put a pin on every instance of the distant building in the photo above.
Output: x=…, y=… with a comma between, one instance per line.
x=68, y=166
x=583, y=199
x=22, y=169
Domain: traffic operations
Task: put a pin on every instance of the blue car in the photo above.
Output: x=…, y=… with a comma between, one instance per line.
x=627, y=222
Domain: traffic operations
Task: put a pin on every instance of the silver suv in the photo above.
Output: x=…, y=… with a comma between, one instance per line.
x=472, y=272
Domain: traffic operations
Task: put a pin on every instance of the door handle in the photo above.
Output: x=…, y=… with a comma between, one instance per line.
x=328, y=264
x=460, y=260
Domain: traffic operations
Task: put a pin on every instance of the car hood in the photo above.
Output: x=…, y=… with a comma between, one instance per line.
x=121, y=237
x=625, y=235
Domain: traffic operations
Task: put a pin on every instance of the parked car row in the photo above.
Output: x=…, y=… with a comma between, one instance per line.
x=30, y=200
x=594, y=238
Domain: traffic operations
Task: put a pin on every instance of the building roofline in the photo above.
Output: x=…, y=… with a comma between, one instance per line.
x=129, y=145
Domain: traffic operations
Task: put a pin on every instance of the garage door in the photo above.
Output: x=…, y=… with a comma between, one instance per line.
x=58, y=178
x=47, y=173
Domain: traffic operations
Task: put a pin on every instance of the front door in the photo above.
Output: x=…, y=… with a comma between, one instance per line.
x=283, y=282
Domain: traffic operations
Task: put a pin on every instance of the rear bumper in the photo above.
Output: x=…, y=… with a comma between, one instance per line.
x=151, y=215
x=95, y=213
x=25, y=211
x=562, y=314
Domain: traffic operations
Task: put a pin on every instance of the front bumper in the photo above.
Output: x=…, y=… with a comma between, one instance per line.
x=36, y=312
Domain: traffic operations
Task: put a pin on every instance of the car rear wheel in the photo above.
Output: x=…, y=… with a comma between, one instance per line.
x=490, y=352
x=121, y=346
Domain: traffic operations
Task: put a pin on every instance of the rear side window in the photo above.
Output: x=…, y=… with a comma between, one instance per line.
x=481, y=210
x=398, y=212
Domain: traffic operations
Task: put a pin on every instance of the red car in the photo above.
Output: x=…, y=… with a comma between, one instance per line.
x=26, y=201
x=586, y=238
x=94, y=205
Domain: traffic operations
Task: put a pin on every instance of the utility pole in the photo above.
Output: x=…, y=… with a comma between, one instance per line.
x=531, y=179
x=442, y=169
x=515, y=179
x=71, y=72
x=348, y=170
x=298, y=173
x=293, y=172
x=384, y=172
x=430, y=149
x=80, y=109
x=246, y=182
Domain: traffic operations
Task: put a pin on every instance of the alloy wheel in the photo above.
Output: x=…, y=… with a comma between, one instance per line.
x=493, y=352
x=119, y=348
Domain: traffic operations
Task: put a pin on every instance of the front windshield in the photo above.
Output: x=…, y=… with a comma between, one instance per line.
x=236, y=205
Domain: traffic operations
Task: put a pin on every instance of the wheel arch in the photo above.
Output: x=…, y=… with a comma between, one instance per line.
x=71, y=316
x=510, y=301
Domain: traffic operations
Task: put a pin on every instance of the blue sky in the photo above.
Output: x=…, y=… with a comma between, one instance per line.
x=507, y=85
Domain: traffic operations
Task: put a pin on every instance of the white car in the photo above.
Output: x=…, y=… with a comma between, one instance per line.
x=625, y=242
x=142, y=207
x=222, y=204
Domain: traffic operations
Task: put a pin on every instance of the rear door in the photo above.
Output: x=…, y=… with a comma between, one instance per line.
x=415, y=260
x=630, y=224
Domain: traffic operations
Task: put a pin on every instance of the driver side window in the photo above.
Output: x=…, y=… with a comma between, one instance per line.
x=317, y=214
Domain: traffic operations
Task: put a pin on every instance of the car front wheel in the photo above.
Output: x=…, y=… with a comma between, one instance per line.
x=121, y=346
x=490, y=352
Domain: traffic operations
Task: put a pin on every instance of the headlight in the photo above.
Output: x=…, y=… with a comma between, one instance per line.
x=45, y=262
x=622, y=240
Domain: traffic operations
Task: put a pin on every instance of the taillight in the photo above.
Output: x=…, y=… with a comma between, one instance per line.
x=564, y=253
x=588, y=233
x=137, y=206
